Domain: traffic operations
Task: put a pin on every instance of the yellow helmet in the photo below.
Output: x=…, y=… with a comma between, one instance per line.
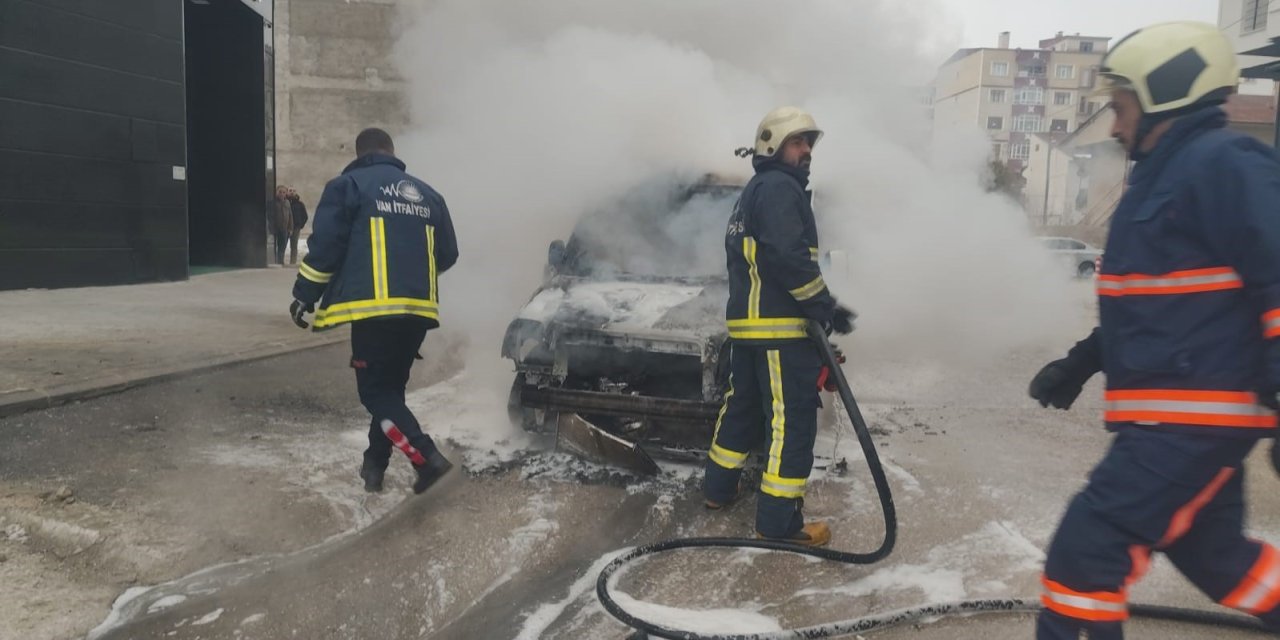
x=1172, y=66
x=780, y=124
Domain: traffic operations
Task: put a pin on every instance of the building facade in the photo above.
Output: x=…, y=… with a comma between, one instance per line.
x=1014, y=94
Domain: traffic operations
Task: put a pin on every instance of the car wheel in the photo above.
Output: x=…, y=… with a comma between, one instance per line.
x=1085, y=270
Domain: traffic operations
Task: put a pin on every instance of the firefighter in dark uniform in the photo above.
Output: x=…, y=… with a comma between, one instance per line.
x=1189, y=340
x=775, y=287
x=381, y=238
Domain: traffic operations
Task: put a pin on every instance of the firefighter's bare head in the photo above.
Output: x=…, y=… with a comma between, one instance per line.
x=374, y=140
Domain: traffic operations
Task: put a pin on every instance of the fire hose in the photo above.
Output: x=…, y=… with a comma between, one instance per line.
x=646, y=628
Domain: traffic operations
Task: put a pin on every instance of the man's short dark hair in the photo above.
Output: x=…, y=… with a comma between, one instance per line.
x=373, y=140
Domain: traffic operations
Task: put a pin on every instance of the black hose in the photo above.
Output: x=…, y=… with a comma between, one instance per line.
x=877, y=474
x=868, y=623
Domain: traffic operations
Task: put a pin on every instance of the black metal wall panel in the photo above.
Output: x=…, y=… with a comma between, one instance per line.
x=92, y=124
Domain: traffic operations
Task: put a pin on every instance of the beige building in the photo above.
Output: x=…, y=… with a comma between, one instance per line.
x=1084, y=173
x=1078, y=178
x=1014, y=94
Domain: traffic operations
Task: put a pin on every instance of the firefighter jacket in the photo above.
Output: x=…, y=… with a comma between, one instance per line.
x=1189, y=292
x=380, y=239
x=775, y=284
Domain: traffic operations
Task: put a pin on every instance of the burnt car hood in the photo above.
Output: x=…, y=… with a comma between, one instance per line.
x=688, y=308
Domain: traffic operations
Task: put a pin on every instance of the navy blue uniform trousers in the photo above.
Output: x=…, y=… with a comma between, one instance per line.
x=772, y=402
x=1178, y=494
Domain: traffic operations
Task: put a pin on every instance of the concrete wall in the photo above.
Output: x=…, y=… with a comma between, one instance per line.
x=335, y=75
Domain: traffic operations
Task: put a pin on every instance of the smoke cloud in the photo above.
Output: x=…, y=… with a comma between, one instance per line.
x=528, y=115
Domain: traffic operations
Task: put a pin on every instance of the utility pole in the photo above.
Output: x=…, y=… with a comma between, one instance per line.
x=1048, y=171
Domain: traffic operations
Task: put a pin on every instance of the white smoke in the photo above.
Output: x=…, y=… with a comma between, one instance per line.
x=526, y=115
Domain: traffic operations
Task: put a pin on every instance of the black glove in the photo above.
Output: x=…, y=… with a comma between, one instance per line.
x=297, y=308
x=1059, y=383
x=842, y=320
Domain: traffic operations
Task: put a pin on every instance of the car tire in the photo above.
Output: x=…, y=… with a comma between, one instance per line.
x=1085, y=270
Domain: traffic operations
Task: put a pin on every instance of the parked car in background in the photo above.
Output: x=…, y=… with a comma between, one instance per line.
x=1081, y=258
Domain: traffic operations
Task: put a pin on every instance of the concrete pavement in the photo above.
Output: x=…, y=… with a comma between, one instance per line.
x=57, y=346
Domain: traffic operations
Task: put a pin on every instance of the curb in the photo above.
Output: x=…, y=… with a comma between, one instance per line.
x=35, y=400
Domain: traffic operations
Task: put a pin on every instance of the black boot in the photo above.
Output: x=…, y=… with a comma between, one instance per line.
x=434, y=469
x=372, y=477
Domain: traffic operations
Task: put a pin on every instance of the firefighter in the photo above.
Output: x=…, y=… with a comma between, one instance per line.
x=380, y=239
x=775, y=287
x=1189, y=340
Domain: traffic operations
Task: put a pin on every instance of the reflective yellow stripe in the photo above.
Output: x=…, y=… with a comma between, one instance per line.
x=753, y=298
x=779, y=412
x=809, y=290
x=382, y=257
x=767, y=328
x=726, y=458
x=781, y=487
x=767, y=322
x=431, y=261
x=384, y=302
x=813, y=253
x=376, y=248
x=319, y=277
x=746, y=334
x=364, y=309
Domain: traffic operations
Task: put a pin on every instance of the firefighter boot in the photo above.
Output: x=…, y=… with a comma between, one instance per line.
x=813, y=534
x=372, y=477
x=432, y=470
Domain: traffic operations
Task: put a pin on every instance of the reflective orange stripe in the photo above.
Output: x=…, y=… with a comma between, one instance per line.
x=1178, y=406
x=1271, y=323
x=1259, y=591
x=1096, y=606
x=1190, y=281
x=1182, y=518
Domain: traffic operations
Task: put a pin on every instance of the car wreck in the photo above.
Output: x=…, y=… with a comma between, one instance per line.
x=622, y=352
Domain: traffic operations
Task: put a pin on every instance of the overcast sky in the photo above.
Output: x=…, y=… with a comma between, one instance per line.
x=976, y=23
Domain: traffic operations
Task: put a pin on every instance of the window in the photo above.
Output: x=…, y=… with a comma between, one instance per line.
x=1058, y=126
x=1032, y=71
x=1027, y=123
x=1075, y=245
x=996, y=149
x=1086, y=77
x=1000, y=69
x=1020, y=150
x=1066, y=71
x=995, y=123
x=1254, y=16
x=1029, y=95
x=998, y=95
x=1061, y=97
x=1086, y=47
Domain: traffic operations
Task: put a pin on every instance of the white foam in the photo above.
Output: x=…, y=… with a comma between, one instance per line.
x=699, y=620
x=165, y=603
x=208, y=619
x=536, y=623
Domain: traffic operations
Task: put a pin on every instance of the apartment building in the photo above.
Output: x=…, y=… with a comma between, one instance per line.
x=1014, y=94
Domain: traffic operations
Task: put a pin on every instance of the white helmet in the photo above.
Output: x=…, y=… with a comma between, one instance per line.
x=1172, y=66
x=780, y=124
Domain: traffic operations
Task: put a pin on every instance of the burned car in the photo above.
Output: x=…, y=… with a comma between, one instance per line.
x=622, y=352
